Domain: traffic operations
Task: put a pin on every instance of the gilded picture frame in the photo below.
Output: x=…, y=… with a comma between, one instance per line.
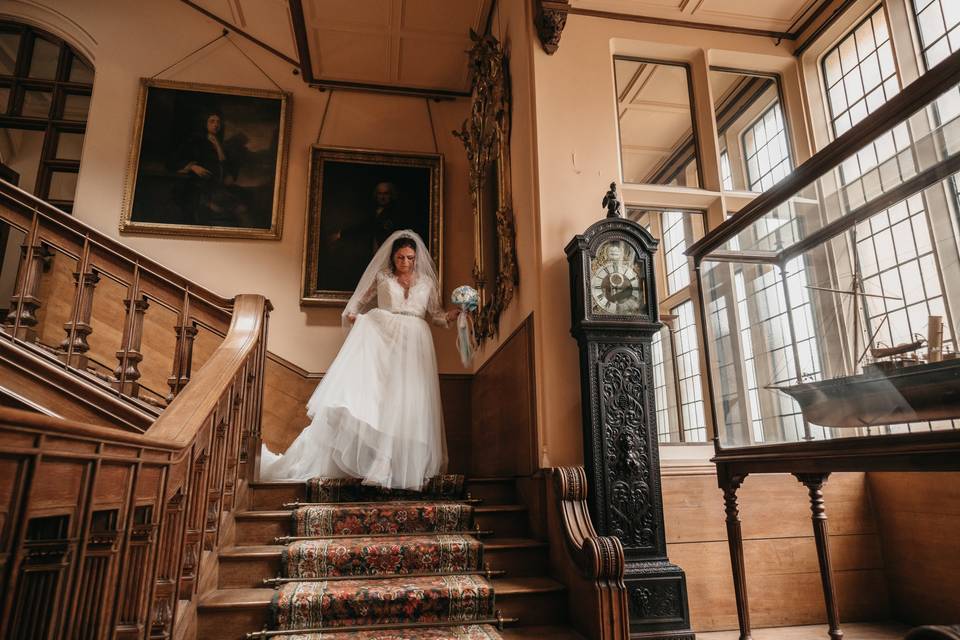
x=355, y=199
x=207, y=160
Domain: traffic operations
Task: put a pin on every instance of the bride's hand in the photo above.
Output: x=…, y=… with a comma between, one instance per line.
x=452, y=314
x=352, y=317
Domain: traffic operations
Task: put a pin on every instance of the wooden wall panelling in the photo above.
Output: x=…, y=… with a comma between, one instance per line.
x=781, y=558
x=503, y=399
x=919, y=519
x=455, y=394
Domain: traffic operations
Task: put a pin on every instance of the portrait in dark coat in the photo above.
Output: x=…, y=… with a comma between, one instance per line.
x=208, y=162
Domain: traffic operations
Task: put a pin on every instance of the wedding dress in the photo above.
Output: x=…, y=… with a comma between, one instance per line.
x=376, y=414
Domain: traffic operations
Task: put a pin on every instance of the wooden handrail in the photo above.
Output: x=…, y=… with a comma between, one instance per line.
x=108, y=531
x=122, y=306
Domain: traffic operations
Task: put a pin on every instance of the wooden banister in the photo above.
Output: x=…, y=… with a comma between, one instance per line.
x=98, y=309
x=105, y=533
x=590, y=565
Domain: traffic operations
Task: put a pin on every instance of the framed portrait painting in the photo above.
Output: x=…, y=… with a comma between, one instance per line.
x=207, y=160
x=356, y=199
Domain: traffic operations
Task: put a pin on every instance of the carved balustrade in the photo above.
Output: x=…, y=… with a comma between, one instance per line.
x=96, y=308
x=103, y=532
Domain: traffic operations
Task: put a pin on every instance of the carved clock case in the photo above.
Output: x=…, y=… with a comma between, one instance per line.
x=614, y=307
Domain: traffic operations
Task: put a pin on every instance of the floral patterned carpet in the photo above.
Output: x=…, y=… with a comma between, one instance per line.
x=360, y=575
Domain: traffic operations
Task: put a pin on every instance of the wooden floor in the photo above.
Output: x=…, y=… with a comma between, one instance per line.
x=863, y=631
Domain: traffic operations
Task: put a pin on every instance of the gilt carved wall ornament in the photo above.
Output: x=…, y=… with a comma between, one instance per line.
x=486, y=138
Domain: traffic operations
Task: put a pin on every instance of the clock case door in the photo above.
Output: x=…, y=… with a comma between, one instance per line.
x=582, y=250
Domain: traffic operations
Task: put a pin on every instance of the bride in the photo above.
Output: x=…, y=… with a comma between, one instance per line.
x=376, y=414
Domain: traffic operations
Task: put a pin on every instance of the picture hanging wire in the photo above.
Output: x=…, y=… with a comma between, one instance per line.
x=223, y=34
x=323, y=118
x=433, y=129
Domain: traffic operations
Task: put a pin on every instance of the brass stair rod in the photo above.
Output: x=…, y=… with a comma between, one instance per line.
x=499, y=621
x=475, y=532
x=294, y=505
x=486, y=573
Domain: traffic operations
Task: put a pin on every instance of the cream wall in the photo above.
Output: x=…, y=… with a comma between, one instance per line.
x=578, y=158
x=129, y=40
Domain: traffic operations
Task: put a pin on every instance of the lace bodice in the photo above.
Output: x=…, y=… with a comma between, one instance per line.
x=420, y=301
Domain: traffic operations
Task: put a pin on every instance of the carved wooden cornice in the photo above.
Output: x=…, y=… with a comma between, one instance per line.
x=550, y=19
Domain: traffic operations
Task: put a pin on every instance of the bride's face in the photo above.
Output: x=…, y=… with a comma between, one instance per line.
x=404, y=260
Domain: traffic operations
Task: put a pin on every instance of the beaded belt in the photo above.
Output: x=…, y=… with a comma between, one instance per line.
x=406, y=313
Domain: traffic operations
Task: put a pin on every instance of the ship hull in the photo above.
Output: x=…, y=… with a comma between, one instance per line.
x=912, y=394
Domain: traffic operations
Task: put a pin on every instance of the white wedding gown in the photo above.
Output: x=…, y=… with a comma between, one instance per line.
x=376, y=414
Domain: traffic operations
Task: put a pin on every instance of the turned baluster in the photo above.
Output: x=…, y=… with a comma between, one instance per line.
x=34, y=260
x=75, y=347
x=814, y=483
x=127, y=372
x=735, y=542
x=182, y=359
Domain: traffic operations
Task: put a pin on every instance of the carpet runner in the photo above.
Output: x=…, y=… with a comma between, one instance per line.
x=381, y=556
x=380, y=518
x=472, y=632
x=393, y=558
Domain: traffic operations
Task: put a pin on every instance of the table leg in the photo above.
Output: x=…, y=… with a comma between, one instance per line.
x=814, y=483
x=735, y=540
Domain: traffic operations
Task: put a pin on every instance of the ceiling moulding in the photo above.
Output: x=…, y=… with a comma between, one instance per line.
x=306, y=66
x=812, y=15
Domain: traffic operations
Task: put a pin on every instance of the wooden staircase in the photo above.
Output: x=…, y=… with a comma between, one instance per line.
x=241, y=602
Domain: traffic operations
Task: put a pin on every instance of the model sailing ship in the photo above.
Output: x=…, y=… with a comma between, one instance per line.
x=903, y=383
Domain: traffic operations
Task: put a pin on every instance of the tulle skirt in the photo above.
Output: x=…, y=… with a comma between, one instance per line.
x=376, y=414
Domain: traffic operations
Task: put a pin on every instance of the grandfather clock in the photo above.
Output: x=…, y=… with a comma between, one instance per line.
x=614, y=304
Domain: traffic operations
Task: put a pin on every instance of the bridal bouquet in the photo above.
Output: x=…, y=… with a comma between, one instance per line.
x=467, y=299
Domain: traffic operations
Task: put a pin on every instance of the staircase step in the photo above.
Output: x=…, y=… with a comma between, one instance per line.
x=266, y=496
x=247, y=566
x=471, y=632
x=360, y=519
x=504, y=520
x=533, y=600
x=382, y=556
x=338, y=603
x=442, y=487
x=261, y=527
x=518, y=557
x=493, y=490
x=230, y=614
x=540, y=633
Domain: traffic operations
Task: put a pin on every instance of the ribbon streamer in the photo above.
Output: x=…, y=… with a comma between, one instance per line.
x=466, y=341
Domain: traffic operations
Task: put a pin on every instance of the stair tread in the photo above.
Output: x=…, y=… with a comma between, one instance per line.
x=513, y=543
x=537, y=584
x=499, y=508
x=539, y=633
x=237, y=598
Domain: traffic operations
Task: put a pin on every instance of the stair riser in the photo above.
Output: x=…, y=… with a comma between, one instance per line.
x=268, y=497
x=247, y=572
x=499, y=492
x=503, y=524
x=534, y=608
x=230, y=624
x=518, y=563
x=234, y=623
x=261, y=530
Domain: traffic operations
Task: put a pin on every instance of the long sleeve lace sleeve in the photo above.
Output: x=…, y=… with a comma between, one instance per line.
x=435, y=311
x=362, y=301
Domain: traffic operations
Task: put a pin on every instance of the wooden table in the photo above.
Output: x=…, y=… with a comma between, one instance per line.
x=812, y=463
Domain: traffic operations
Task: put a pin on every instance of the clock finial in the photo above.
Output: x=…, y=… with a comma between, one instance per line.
x=612, y=202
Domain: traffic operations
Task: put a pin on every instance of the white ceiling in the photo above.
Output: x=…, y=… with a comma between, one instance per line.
x=766, y=15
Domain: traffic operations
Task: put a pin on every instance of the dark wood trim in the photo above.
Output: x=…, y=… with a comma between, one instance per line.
x=300, y=35
x=283, y=362
x=240, y=32
x=668, y=22
x=913, y=98
x=526, y=321
x=306, y=68
x=813, y=17
x=826, y=24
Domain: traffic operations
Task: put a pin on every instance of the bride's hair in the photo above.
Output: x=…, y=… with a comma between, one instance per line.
x=400, y=243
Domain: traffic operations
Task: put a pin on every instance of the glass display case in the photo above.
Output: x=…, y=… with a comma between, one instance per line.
x=829, y=309
x=829, y=305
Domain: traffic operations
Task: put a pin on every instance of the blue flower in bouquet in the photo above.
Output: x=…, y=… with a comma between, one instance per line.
x=465, y=297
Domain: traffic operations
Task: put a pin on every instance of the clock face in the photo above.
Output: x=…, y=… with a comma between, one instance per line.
x=617, y=281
